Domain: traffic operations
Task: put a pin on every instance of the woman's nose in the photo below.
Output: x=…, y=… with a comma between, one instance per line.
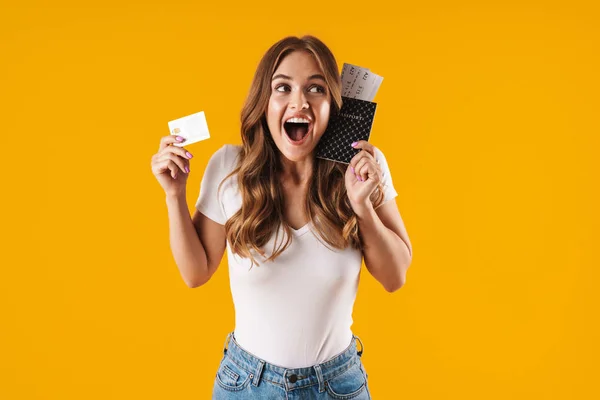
x=299, y=100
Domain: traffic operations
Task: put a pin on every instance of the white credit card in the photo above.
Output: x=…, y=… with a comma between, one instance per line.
x=191, y=127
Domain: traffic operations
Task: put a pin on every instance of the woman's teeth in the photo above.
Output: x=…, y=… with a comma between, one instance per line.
x=299, y=120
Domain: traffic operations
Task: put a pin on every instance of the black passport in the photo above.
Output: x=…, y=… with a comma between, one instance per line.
x=352, y=123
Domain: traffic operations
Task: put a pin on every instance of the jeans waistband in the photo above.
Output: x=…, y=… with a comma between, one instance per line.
x=292, y=378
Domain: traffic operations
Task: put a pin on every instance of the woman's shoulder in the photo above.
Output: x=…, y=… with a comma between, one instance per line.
x=225, y=158
x=227, y=153
x=232, y=148
x=230, y=152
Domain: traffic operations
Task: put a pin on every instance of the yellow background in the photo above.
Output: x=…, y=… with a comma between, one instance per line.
x=488, y=115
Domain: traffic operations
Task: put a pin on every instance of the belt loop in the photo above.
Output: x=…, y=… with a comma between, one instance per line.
x=258, y=372
x=226, y=343
x=320, y=378
x=362, y=347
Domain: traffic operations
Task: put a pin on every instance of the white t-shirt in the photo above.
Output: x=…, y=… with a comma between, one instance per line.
x=295, y=311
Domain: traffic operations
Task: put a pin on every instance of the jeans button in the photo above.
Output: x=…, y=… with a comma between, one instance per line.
x=293, y=378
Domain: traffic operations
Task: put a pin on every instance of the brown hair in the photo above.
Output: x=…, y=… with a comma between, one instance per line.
x=262, y=212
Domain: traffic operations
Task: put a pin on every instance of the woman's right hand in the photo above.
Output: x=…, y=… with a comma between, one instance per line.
x=171, y=165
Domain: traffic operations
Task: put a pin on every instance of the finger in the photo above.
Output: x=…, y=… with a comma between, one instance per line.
x=180, y=162
x=364, y=145
x=180, y=151
x=168, y=140
x=163, y=166
x=353, y=172
x=369, y=166
x=369, y=170
x=362, y=154
x=357, y=168
x=173, y=169
x=360, y=168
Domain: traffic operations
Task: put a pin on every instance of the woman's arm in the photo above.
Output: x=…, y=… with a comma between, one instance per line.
x=388, y=251
x=186, y=247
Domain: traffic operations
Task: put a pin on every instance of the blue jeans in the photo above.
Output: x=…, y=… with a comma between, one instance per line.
x=242, y=375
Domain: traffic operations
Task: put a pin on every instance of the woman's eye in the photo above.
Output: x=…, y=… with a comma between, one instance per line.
x=313, y=89
x=320, y=89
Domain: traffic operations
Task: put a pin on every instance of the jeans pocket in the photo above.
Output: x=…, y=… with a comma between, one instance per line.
x=349, y=384
x=232, y=377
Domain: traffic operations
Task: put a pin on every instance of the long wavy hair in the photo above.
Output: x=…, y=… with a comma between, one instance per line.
x=258, y=166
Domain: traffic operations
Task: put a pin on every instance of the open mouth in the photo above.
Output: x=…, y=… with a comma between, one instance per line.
x=296, y=131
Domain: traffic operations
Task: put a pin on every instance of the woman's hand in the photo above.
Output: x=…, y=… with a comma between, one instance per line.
x=171, y=165
x=362, y=176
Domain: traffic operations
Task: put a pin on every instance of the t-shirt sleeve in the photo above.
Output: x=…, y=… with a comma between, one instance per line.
x=389, y=192
x=210, y=202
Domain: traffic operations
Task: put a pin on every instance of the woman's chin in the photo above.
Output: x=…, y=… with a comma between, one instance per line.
x=296, y=150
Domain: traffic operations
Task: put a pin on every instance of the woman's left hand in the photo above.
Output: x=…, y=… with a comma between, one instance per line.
x=362, y=176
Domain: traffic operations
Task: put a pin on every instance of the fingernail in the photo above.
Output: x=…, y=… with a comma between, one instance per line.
x=352, y=169
x=354, y=144
x=188, y=154
x=179, y=138
x=187, y=170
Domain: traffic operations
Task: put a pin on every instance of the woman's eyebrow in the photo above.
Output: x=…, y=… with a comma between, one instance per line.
x=315, y=76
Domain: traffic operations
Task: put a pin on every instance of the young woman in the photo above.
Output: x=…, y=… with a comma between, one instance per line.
x=295, y=228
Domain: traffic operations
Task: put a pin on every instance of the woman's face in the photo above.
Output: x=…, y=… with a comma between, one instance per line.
x=298, y=90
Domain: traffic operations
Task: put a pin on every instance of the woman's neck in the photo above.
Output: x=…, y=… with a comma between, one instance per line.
x=296, y=173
